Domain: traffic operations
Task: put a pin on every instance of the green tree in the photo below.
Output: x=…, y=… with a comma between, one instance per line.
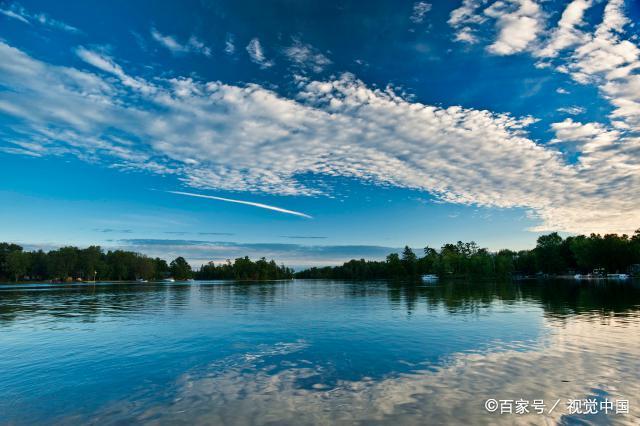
x=17, y=263
x=394, y=265
x=548, y=252
x=429, y=263
x=180, y=269
x=5, y=250
x=161, y=268
x=583, y=252
x=449, y=260
x=409, y=261
x=635, y=247
x=525, y=262
x=144, y=267
x=90, y=262
x=120, y=265
x=504, y=263
x=62, y=262
x=245, y=269
x=38, y=265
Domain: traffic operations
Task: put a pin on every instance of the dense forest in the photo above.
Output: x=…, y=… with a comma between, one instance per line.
x=244, y=269
x=93, y=263
x=88, y=264
x=552, y=255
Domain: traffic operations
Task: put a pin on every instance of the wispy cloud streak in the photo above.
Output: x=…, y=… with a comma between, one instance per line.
x=15, y=11
x=248, y=203
x=303, y=237
x=193, y=45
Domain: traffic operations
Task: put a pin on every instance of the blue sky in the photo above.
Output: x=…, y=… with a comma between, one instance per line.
x=344, y=128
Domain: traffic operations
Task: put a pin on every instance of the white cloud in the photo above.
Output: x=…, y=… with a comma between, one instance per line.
x=607, y=56
x=193, y=45
x=106, y=64
x=466, y=35
x=256, y=53
x=247, y=138
x=567, y=33
x=306, y=56
x=609, y=59
x=229, y=44
x=464, y=17
x=604, y=51
x=589, y=136
x=248, y=203
x=15, y=11
x=420, y=9
x=611, y=62
x=15, y=15
x=572, y=110
x=518, y=23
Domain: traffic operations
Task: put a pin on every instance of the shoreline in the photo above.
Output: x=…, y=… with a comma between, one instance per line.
x=416, y=280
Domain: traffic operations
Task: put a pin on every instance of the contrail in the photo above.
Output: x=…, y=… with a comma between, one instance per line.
x=248, y=203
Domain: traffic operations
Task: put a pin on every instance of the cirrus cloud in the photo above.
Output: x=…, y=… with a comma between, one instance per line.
x=257, y=55
x=17, y=12
x=193, y=45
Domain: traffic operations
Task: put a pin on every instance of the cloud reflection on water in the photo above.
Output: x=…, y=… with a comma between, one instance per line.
x=583, y=356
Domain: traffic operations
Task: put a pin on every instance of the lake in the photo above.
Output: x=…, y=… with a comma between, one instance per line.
x=319, y=352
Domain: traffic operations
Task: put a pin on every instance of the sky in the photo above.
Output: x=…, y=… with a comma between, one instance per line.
x=316, y=131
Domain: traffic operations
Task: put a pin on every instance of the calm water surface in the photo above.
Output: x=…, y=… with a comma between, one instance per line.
x=315, y=352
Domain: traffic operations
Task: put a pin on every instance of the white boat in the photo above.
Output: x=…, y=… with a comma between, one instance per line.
x=142, y=280
x=429, y=278
x=169, y=280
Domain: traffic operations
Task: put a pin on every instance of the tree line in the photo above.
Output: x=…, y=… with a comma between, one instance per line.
x=244, y=268
x=552, y=255
x=93, y=263
x=87, y=264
